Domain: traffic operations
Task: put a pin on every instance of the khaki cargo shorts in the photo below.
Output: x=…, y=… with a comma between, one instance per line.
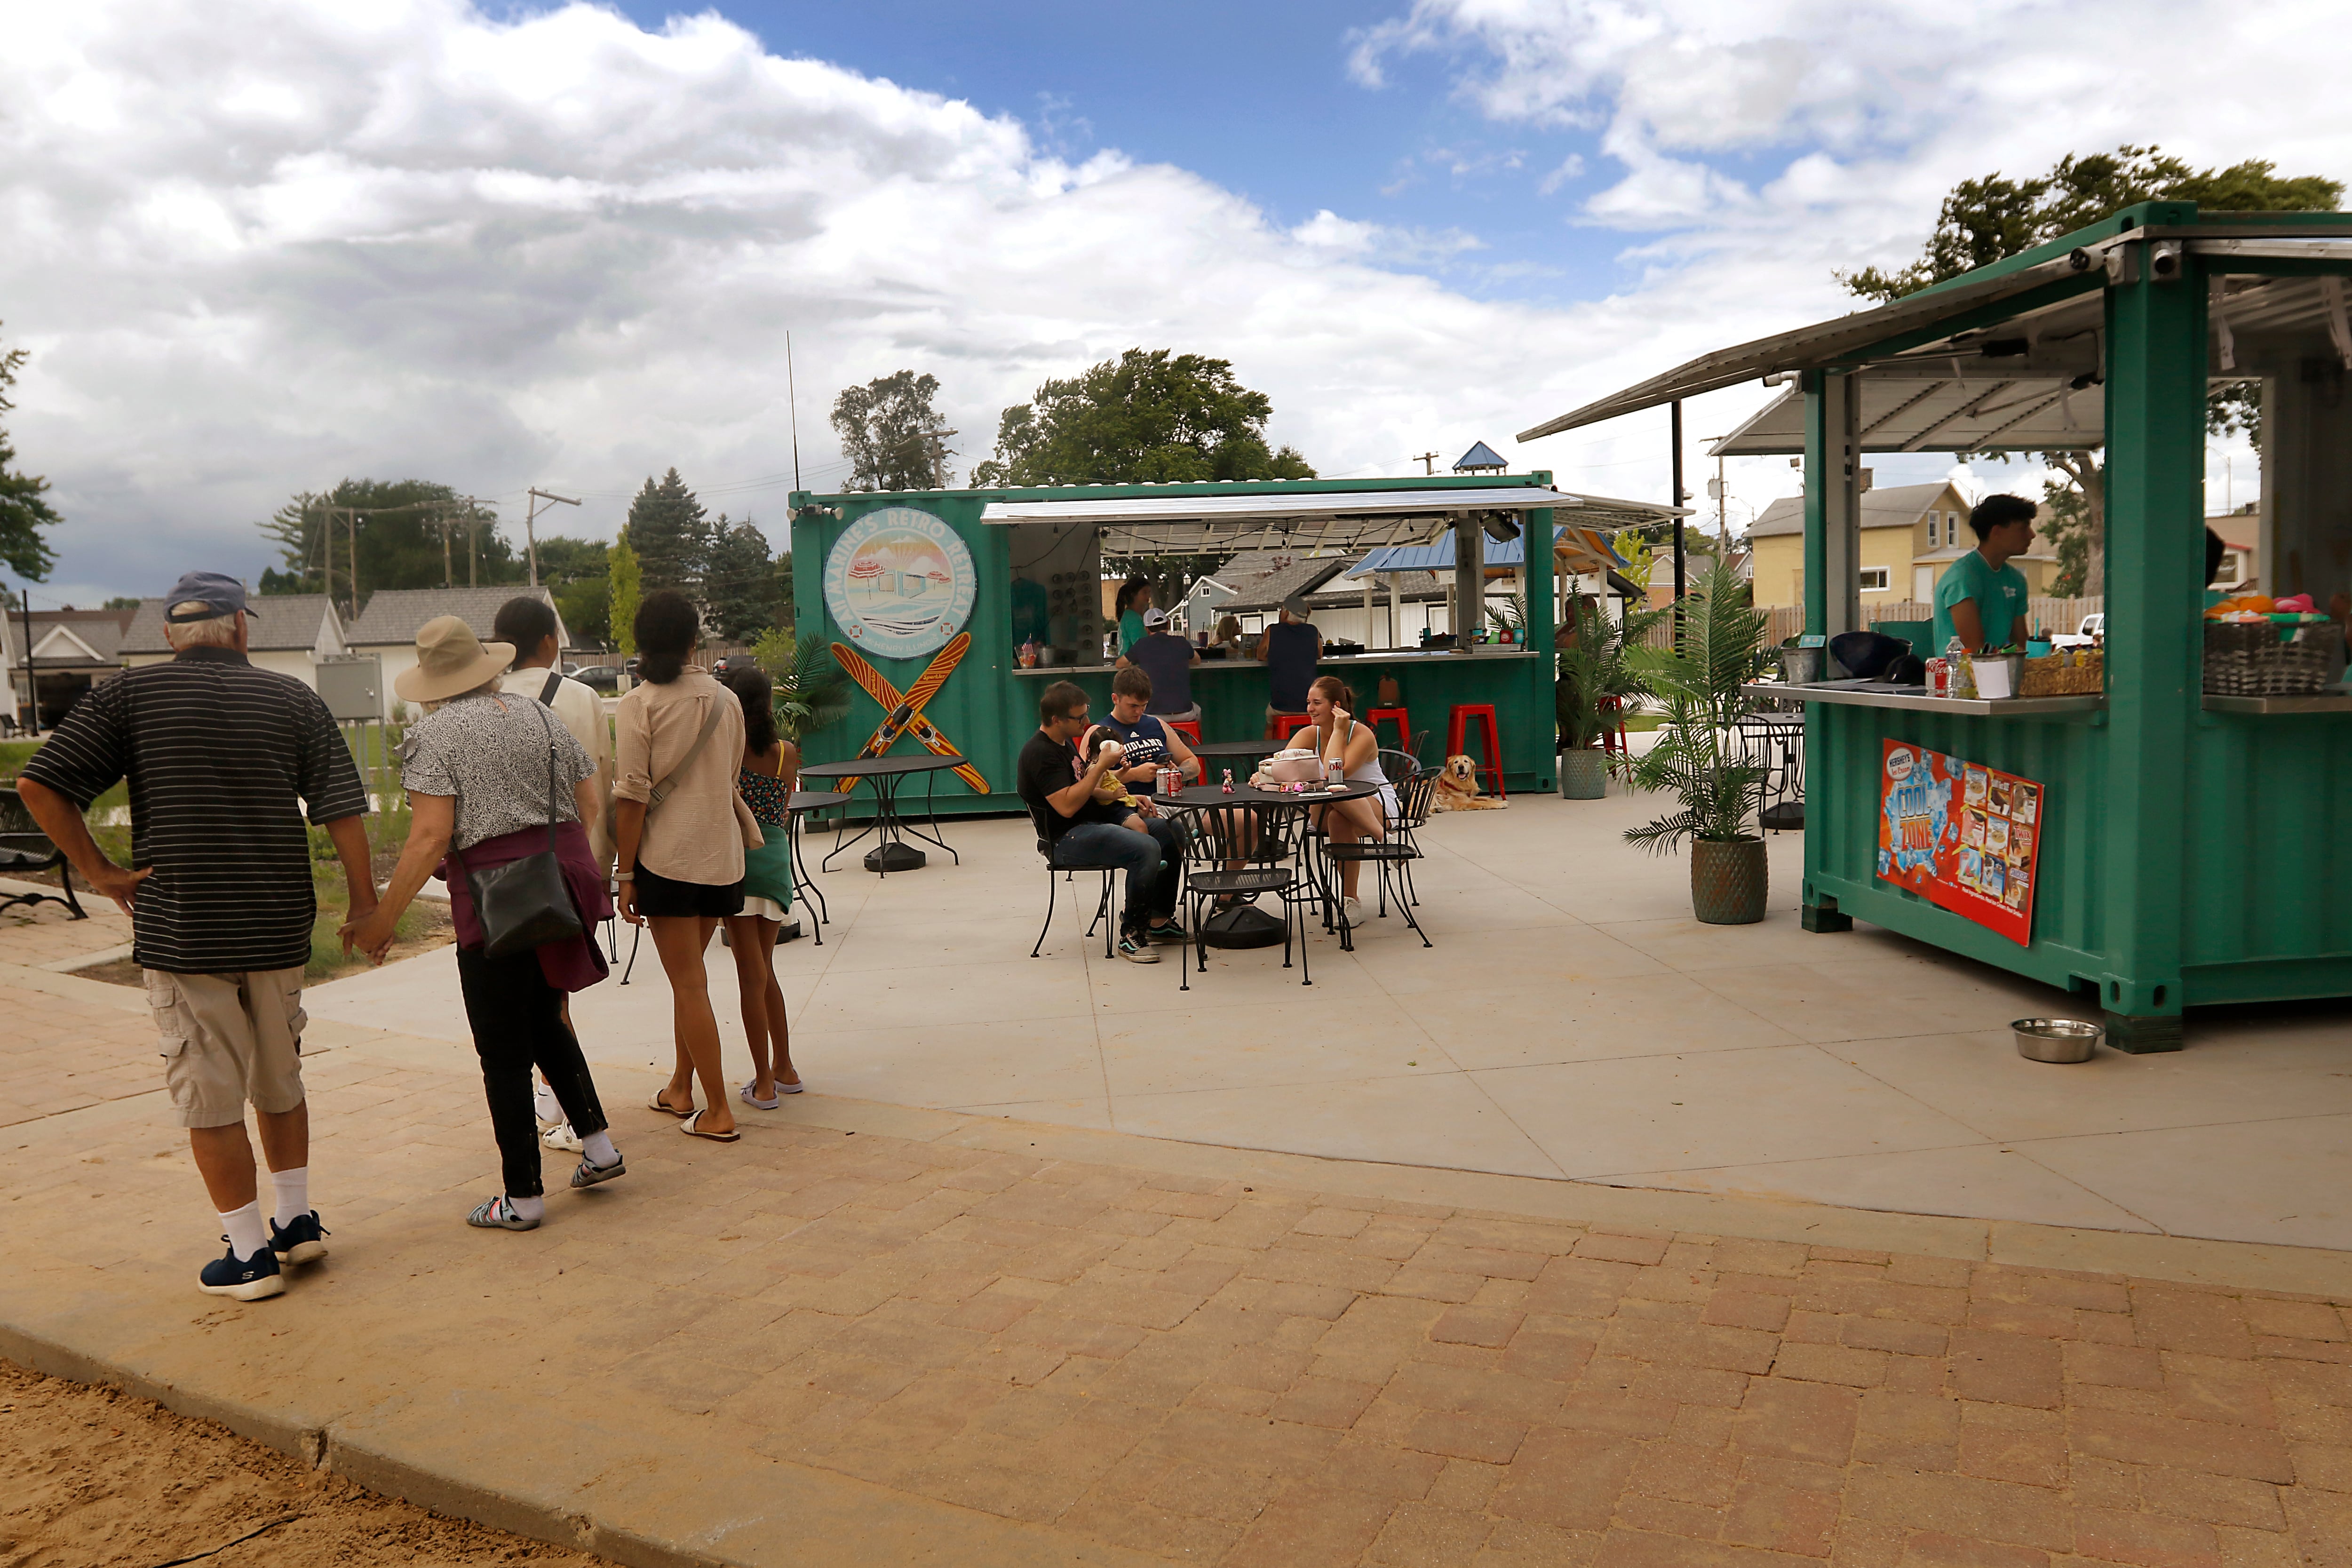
x=227, y=1039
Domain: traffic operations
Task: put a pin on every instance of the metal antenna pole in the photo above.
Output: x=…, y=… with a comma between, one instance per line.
x=531, y=537
x=793, y=403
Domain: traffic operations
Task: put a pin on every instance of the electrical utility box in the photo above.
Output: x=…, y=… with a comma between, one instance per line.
x=352, y=685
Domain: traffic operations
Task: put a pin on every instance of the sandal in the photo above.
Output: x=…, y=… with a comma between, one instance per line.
x=590, y=1172
x=500, y=1215
x=658, y=1103
x=754, y=1101
x=692, y=1128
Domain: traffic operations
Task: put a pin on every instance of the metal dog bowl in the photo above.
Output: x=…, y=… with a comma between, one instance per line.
x=2056, y=1039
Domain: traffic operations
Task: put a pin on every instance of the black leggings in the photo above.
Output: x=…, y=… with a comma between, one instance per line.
x=518, y=1021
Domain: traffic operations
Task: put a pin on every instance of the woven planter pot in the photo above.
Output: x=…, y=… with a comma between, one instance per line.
x=1583, y=773
x=1728, y=881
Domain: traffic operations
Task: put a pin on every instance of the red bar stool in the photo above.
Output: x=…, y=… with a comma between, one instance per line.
x=1191, y=730
x=1404, y=725
x=1613, y=724
x=1282, y=724
x=1483, y=712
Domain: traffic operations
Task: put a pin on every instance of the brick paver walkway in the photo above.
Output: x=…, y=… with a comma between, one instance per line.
x=1181, y=1367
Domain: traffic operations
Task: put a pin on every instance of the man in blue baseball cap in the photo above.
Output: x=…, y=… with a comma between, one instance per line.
x=221, y=759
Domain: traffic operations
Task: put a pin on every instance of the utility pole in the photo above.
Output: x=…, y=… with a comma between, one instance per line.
x=1675, y=420
x=1428, y=461
x=531, y=537
x=1722, y=509
x=32, y=681
x=441, y=521
x=353, y=514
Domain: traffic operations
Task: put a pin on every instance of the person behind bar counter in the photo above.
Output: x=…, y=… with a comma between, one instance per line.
x=1982, y=596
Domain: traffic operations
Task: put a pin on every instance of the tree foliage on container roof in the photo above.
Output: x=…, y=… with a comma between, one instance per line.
x=1150, y=416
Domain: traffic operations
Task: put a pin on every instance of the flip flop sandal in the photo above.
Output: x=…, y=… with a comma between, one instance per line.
x=754, y=1101
x=692, y=1128
x=500, y=1215
x=789, y=1088
x=655, y=1103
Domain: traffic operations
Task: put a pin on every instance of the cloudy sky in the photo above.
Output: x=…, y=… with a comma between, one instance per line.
x=258, y=246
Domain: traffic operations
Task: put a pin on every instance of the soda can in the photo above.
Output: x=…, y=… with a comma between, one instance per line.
x=1940, y=677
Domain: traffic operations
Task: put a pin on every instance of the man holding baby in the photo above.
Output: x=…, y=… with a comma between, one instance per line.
x=1083, y=809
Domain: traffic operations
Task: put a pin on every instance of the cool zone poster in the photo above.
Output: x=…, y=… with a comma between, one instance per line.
x=1962, y=836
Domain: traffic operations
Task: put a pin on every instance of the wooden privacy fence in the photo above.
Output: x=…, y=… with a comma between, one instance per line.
x=1788, y=620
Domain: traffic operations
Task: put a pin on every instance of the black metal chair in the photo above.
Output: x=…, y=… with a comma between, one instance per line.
x=1056, y=875
x=24, y=847
x=1777, y=744
x=1392, y=857
x=1242, y=852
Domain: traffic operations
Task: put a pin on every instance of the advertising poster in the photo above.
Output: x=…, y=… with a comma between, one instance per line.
x=1962, y=836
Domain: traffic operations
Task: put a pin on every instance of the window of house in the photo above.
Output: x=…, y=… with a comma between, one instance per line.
x=1876, y=577
x=1931, y=530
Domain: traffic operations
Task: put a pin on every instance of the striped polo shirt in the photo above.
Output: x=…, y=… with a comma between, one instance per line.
x=221, y=758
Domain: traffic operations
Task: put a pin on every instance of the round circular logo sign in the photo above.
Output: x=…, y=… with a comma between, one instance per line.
x=898, y=583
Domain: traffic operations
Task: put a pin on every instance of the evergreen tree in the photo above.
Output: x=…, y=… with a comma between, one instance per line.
x=623, y=590
x=23, y=513
x=669, y=534
x=894, y=439
x=738, y=587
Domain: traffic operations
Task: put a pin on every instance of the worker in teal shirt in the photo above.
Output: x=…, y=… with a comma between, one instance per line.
x=1982, y=596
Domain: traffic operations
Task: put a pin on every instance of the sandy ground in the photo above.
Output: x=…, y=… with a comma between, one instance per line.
x=90, y=1477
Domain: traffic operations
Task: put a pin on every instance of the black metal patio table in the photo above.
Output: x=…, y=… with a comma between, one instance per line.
x=799, y=804
x=891, y=852
x=1246, y=925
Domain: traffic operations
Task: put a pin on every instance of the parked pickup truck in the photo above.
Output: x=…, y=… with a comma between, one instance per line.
x=2092, y=629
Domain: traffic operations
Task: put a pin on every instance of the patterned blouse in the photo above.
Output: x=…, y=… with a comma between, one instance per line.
x=491, y=753
x=765, y=794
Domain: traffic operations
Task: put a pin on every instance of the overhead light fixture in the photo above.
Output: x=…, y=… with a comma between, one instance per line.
x=1499, y=526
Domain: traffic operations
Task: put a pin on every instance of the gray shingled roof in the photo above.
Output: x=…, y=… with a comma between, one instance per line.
x=1891, y=508
x=392, y=616
x=1267, y=591
x=280, y=622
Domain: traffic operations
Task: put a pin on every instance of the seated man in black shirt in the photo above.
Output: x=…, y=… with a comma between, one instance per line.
x=1087, y=836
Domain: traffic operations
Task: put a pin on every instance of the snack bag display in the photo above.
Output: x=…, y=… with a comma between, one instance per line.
x=1960, y=835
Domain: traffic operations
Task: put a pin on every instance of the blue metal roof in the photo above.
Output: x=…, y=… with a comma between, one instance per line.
x=1439, y=557
x=1480, y=456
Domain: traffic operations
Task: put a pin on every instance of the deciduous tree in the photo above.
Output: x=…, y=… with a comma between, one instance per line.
x=1989, y=219
x=624, y=588
x=894, y=439
x=1145, y=417
x=23, y=513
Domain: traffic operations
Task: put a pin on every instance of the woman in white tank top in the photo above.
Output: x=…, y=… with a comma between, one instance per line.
x=1332, y=707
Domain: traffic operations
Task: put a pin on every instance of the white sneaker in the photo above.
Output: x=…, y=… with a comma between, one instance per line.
x=1352, y=909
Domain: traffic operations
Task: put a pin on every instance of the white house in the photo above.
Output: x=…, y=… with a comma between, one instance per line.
x=387, y=627
x=288, y=633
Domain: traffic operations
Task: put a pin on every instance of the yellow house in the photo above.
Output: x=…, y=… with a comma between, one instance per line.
x=1909, y=535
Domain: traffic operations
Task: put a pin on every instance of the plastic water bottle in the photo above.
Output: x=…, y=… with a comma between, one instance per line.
x=1964, y=675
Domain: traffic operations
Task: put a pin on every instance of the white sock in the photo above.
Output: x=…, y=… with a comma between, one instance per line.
x=246, y=1236
x=527, y=1208
x=545, y=1104
x=293, y=1193
x=598, y=1147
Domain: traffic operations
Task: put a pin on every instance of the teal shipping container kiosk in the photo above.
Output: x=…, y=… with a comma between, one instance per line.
x=941, y=588
x=2191, y=845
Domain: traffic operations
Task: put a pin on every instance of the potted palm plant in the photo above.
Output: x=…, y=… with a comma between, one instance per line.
x=1595, y=683
x=808, y=688
x=1698, y=759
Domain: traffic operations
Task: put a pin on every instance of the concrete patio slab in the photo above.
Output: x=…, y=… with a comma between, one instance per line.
x=1569, y=1001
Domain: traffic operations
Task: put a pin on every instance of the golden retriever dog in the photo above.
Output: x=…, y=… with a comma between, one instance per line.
x=1457, y=788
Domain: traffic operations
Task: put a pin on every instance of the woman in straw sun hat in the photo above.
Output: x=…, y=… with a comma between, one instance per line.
x=487, y=775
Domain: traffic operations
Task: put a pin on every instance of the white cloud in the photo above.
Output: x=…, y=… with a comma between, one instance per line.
x=259, y=245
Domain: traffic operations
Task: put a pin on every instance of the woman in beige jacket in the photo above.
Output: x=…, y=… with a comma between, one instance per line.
x=679, y=831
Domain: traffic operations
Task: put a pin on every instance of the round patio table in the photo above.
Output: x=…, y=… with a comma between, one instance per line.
x=1246, y=925
x=1215, y=755
x=891, y=852
x=799, y=804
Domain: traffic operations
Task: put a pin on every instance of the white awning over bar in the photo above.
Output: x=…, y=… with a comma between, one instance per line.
x=1150, y=524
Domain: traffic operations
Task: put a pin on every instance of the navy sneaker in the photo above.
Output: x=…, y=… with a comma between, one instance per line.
x=1169, y=929
x=245, y=1280
x=300, y=1242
